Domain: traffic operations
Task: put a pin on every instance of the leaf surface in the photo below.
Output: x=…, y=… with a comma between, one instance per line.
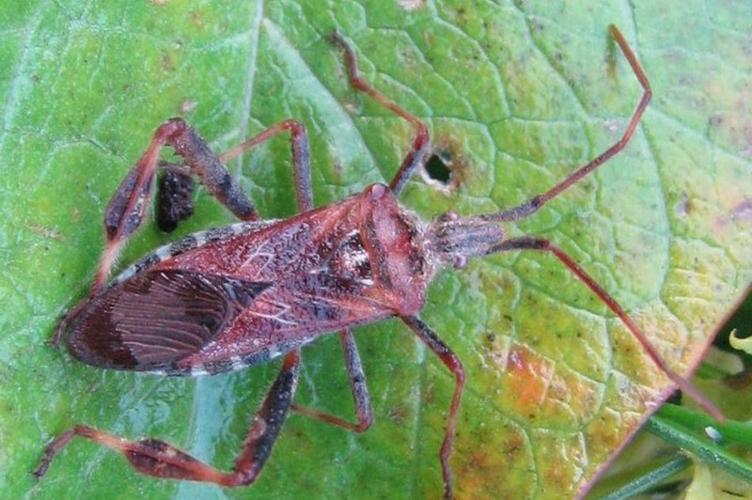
x=517, y=94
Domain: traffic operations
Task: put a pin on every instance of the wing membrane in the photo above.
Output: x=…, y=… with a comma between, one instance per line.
x=156, y=318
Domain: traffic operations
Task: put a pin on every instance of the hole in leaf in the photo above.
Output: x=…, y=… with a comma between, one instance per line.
x=437, y=167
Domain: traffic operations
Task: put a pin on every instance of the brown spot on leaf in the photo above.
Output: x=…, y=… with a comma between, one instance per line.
x=527, y=379
x=477, y=459
x=513, y=446
x=603, y=430
x=505, y=452
x=428, y=396
x=397, y=414
x=197, y=18
x=337, y=167
x=168, y=63
x=45, y=232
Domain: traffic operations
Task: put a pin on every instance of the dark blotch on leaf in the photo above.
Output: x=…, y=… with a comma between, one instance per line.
x=437, y=167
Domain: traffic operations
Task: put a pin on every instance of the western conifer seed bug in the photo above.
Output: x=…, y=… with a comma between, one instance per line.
x=235, y=296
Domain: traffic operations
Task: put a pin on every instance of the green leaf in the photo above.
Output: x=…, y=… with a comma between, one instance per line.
x=709, y=482
x=517, y=93
x=743, y=344
x=676, y=433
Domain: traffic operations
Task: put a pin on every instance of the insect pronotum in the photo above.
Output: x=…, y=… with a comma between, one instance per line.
x=231, y=297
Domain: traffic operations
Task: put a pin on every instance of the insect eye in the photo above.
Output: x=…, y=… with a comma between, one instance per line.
x=377, y=191
x=448, y=217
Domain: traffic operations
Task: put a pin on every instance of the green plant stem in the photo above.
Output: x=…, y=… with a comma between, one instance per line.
x=708, y=371
x=731, y=430
x=705, y=449
x=650, y=479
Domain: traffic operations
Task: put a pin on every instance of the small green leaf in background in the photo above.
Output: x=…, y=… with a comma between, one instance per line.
x=516, y=93
x=712, y=484
x=742, y=344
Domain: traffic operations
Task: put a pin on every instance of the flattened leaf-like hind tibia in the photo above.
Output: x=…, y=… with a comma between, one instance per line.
x=157, y=318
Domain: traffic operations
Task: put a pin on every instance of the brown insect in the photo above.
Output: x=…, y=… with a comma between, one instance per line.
x=231, y=297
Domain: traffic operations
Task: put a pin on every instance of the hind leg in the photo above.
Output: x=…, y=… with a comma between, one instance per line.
x=157, y=458
x=125, y=213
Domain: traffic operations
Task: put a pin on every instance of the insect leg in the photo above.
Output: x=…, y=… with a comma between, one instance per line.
x=530, y=243
x=357, y=385
x=421, y=146
x=127, y=208
x=454, y=365
x=533, y=204
x=157, y=458
x=176, y=185
x=300, y=157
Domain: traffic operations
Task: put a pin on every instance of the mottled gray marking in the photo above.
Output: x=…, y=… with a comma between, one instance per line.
x=199, y=370
x=200, y=238
x=163, y=253
x=234, y=363
x=189, y=242
x=140, y=265
x=219, y=233
x=125, y=275
x=274, y=351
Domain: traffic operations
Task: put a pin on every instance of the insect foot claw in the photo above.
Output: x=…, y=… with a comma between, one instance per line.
x=41, y=469
x=50, y=451
x=54, y=342
x=334, y=38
